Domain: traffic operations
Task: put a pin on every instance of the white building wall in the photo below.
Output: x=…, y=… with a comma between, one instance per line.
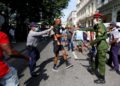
x=113, y=6
x=85, y=9
x=72, y=18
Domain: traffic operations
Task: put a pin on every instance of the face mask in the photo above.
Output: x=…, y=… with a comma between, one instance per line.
x=36, y=29
x=95, y=21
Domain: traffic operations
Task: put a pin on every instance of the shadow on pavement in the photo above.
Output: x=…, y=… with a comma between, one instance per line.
x=21, y=64
x=41, y=71
x=42, y=75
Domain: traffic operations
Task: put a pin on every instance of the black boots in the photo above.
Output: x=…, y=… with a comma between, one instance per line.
x=118, y=72
x=91, y=70
x=100, y=80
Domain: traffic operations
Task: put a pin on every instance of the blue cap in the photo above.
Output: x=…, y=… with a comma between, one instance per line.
x=33, y=24
x=113, y=23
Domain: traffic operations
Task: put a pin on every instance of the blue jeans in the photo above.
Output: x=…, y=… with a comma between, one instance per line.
x=33, y=53
x=70, y=45
x=115, y=48
x=10, y=79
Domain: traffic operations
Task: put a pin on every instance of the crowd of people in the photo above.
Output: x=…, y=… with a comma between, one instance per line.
x=71, y=38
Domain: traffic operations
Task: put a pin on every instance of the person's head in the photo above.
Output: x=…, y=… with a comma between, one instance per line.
x=57, y=21
x=2, y=20
x=78, y=25
x=97, y=18
x=112, y=25
x=73, y=26
x=34, y=27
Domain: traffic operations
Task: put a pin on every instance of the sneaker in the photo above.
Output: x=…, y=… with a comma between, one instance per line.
x=68, y=65
x=55, y=69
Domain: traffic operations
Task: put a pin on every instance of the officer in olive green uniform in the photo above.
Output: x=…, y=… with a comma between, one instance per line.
x=102, y=47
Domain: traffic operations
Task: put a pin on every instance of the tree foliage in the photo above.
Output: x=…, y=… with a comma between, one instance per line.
x=35, y=9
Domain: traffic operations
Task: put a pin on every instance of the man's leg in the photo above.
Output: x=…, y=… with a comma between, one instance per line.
x=11, y=79
x=68, y=44
x=56, y=53
x=94, y=65
x=110, y=60
x=101, y=66
x=37, y=54
x=32, y=66
x=72, y=46
x=65, y=58
x=32, y=63
x=55, y=61
x=64, y=54
x=115, y=50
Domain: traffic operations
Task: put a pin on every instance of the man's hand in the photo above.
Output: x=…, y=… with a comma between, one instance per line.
x=58, y=43
x=27, y=58
x=51, y=27
x=88, y=45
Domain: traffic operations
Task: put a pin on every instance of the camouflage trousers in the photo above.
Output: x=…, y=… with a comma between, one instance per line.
x=100, y=62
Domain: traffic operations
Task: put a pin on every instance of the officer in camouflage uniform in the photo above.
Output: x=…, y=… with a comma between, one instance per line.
x=102, y=47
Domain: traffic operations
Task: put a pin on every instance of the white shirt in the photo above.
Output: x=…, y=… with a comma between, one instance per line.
x=79, y=35
x=32, y=39
x=116, y=34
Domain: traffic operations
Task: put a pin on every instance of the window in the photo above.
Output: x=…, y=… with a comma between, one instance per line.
x=102, y=1
x=118, y=16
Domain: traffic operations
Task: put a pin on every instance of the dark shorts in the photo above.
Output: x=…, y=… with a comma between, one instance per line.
x=57, y=48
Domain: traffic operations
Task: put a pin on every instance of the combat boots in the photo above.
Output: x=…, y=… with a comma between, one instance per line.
x=100, y=80
x=91, y=70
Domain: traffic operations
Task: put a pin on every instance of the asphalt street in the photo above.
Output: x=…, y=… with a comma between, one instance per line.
x=74, y=76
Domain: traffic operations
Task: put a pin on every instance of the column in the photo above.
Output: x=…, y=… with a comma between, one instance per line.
x=114, y=15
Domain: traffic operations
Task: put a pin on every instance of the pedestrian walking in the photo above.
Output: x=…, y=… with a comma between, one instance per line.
x=70, y=38
x=32, y=42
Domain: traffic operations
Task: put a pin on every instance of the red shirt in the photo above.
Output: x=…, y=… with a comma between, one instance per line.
x=4, y=69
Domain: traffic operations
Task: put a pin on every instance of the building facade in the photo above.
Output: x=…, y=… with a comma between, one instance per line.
x=85, y=11
x=110, y=9
x=71, y=20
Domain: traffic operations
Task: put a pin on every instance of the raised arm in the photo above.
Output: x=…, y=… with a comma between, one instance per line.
x=101, y=35
x=42, y=32
x=98, y=39
x=87, y=29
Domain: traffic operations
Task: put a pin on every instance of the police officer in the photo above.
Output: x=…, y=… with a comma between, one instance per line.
x=32, y=42
x=102, y=47
x=115, y=45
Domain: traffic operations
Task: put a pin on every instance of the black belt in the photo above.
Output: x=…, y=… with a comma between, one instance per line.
x=29, y=47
